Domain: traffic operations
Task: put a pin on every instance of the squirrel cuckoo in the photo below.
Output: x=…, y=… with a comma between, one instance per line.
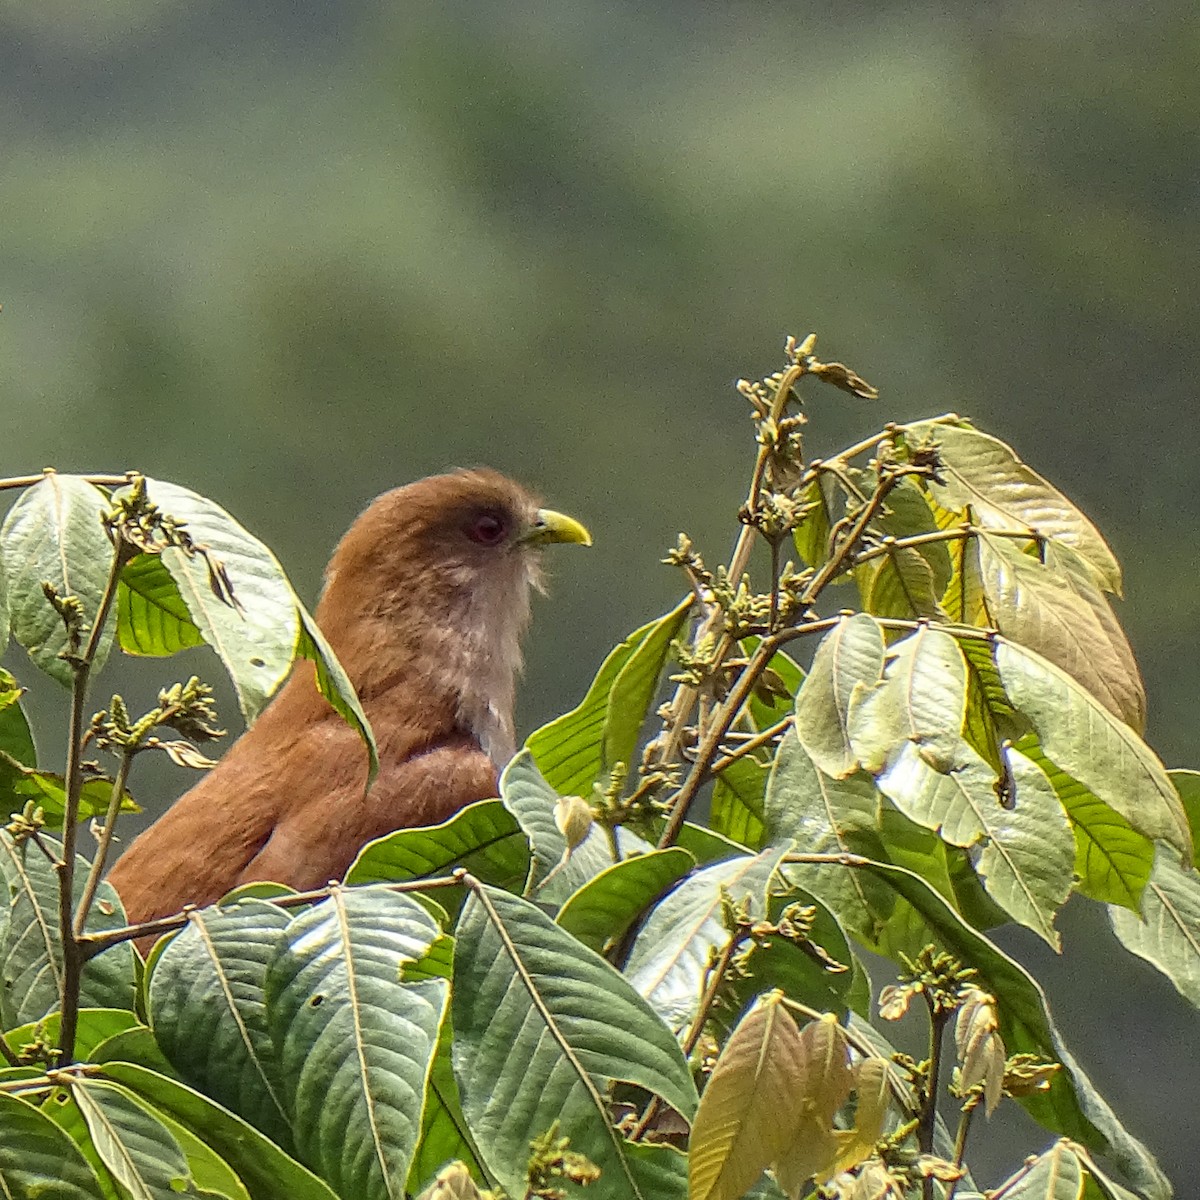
x=425, y=601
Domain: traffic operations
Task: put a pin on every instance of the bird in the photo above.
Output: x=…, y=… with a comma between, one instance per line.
x=425, y=600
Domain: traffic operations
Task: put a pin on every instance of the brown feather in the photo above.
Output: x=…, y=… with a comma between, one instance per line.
x=427, y=622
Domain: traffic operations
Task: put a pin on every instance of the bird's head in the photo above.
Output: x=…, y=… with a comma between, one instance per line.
x=440, y=567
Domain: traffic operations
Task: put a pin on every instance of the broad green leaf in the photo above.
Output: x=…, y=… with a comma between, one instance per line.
x=901, y=584
x=354, y=1042
x=255, y=631
x=670, y=957
x=1070, y=1106
x=31, y=951
x=752, y=1105
x=822, y=815
x=206, y=1005
x=963, y=599
x=1056, y=1174
x=95, y=1025
x=737, y=801
x=529, y=1051
x=134, y=1045
x=1112, y=860
x=213, y=1176
x=37, y=1159
x=444, y=1133
x=608, y=904
x=848, y=660
x=53, y=535
x=49, y=792
x=907, y=513
x=703, y=844
x=920, y=703
x=766, y=707
x=267, y=1171
x=136, y=1147
x=4, y=614
x=1187, y=784
x=484, y=838
x=982, y=472
x=811, y=536
x=152, y=618
x=1039, y=609
x=1167, y=932
x=1093, y=746
x=334, y=684
x=555, y=870
x=15, y=738
x=577, y=749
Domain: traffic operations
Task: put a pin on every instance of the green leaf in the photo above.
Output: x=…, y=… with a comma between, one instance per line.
x=770, y=709
x=53, y=535
x=528, y=1050
x=1040, y=609
x=136, y=1147
x=604, y=908
x=848, y=660
x=737, y=801
x=1070, y=1106
x=31, y=950
x=579, y=748
x=484, y=838
x=37, y=1159
x=50, y=792
x=555, y=871
x=822, y=815
x=15, y=738
x=670, y=956
x=984, y=473
x=901, y=584
x=355, y=1043
x=95, y=1025
x=256, y=635
x=908, y=513
x=206, y=1005
x=334, y=684
x=1167, y=932
x=1187, y=784
x=1055, y=1174
x=811, y=536
x=1093, y=746
x=152, y=618
x=1112, y=860
x=213, y=1176
x=267, y=1171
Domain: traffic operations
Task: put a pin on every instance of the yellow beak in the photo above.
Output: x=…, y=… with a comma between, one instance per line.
x=550, y=526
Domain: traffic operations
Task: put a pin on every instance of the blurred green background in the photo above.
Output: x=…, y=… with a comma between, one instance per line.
x=291, y=254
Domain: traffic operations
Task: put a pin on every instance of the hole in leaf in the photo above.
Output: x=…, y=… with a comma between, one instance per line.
x=316, y=1001
x=257, y=662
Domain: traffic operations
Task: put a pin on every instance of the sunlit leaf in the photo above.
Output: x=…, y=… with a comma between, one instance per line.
x=152, y=618
x=848, y=660
x=1056, y=1174
x=49, y=792
x=982, y=472
x=16, y=740
x=737, y=801
x=53, y=535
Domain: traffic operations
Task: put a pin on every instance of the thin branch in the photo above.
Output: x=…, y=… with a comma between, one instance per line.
x=106, y=836
x=24, y=481
x=927, y=1118
x=94, y=943
x=751, y=744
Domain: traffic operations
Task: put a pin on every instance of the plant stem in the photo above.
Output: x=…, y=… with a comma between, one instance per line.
x=106, y=835
x=927, y=1119
x=960, y=1139
x=751, y=744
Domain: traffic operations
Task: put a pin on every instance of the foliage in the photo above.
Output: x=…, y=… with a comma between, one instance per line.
x=581, y=983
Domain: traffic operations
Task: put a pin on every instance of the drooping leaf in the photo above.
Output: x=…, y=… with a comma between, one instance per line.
x=31, y=950
x=267, y=1172
x=152, y=618
x=751, y=1109
x=556, y=869
x=670, y=956
x=1055, y=1174
x=577, y=749
x=49, y=792
x=236, y=594
x=737, y=801
x=484, y=838
x=811, y=536
x=207, y=1008
x=1112, y=860
x=1038, y=607
x=334, y=684
x=1167, y=932
x=529, y=1052
x=1091, y=745
x=848, y=660
x=53, y=535
x=354, y=1042
x=608, y=904
x=37, y=1159
x=16, y=740
x=982, y=472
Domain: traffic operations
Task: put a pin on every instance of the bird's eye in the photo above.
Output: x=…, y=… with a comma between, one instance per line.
x=488, y=529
